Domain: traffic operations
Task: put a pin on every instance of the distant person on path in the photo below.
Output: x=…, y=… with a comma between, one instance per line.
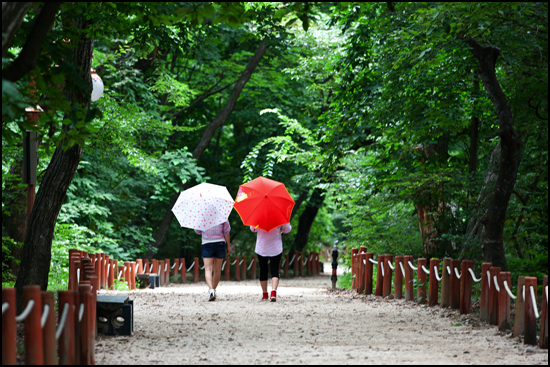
x=215, y=247
x=269, y=248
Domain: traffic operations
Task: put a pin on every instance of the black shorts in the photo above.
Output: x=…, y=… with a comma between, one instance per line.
x=214, y=249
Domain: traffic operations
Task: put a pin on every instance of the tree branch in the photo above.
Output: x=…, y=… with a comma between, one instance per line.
x=26, y=61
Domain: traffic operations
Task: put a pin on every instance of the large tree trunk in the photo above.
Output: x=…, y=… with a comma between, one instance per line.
x=494, y=216
x=218, y=121
x=307, y=218
x=36, y=254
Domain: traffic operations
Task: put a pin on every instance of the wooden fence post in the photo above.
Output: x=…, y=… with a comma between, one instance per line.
x=237, y=269
x=543, y=339
x=503, y=318
x=243, y=268
x=287, y=274
x=519, y=320
x=379, y=290
x=398, y=278
x=368, y=273
x=227, y=269
x=484, y=297
x=434, y=283
x=361, y=274
x=445, y=283
x=409, y=280
x=196, y=270
x=530, y=319
x=455, y=285
x=493, y=295
x=85, y=299
x=34, y=345
x=386, y=286
x=421, y=281
x=66, y=345
x=50, y=343
x=183, y=270
x=466, y=287
x=9, y=349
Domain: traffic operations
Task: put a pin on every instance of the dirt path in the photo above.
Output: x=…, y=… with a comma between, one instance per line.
x=309, y=324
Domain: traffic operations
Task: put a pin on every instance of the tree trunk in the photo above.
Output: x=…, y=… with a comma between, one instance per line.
x=510, y=144
x=218, y=121
x=36, y=254
x=307, y=218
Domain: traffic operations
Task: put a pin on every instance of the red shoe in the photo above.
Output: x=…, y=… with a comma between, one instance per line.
x=273, y=296
x=264, y=296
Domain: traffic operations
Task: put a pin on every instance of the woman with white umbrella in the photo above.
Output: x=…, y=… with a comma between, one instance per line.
x=215, y=247
x=205, y=208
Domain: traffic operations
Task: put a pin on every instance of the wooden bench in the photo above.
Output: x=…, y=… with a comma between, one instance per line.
x=115, y=315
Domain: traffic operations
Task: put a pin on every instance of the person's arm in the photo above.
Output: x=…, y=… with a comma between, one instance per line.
x=228, y=241
x=286, y=228
x=198, y=231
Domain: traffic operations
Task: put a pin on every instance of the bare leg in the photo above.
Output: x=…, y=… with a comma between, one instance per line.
x=263, y=283
x=274, y=284
x=208, y=267
x=217, y=268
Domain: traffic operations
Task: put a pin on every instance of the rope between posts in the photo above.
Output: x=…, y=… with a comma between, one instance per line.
x=234, y=262
x=181, y=264
x=119, y=274
x=473, y=275
x=508, y=290
x=202, y=267
x=534, y=301
x=496, y=283
x=282, y=264
x=390, y=265
x=80, y=312
x=373, y=261
x=456, y=273
x=193, y=264
x=364, y=262
x=437, y=274
x=305, y=261
x=165, y=267
x=402, y=269
x=425, y=270
x=448, y=270
x=62, y=321
x=546, y=292
x=25, y=312
x=5, y=307
x=489, y=279
x=412, y=266
x=250, y=265
x=173, y=266
x=240, y=262
x=382, y=268
x=290, y=263
x=223, y=265
x=44, y=317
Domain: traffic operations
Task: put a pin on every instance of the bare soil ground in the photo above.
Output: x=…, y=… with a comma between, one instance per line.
x=309, y=324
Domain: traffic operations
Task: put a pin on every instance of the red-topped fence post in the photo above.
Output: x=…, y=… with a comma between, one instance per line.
x=421, y=281
x=409, y=279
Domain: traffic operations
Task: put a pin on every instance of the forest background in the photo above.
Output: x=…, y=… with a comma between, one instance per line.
x=409, y=128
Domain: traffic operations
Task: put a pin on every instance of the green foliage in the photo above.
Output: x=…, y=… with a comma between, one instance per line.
x=344, y=280
x=8, y=245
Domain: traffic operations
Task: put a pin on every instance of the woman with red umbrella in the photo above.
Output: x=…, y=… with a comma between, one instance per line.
x=266, y=206
x=269, y=248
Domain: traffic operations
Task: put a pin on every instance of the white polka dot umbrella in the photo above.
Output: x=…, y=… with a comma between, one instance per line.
x=203, y=206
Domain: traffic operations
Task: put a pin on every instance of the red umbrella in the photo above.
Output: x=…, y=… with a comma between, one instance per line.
x=264, y=203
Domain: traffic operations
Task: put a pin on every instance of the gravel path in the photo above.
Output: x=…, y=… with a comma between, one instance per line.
x=309, y=324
